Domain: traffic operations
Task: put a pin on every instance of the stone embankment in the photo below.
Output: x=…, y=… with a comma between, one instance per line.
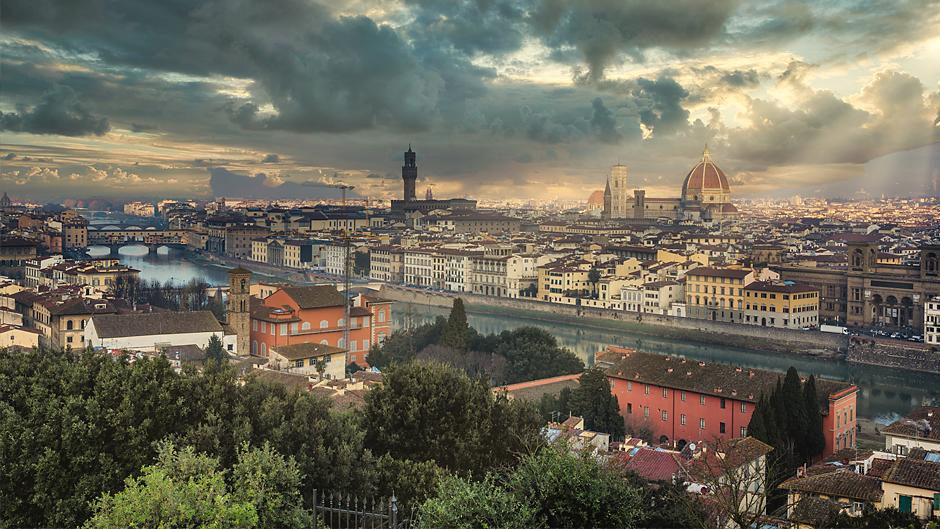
x=813, y=343
x=893, y=353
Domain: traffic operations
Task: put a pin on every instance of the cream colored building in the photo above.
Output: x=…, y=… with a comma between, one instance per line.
x=308, y=358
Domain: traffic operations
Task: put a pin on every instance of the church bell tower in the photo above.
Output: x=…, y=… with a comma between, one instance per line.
x=237, y=313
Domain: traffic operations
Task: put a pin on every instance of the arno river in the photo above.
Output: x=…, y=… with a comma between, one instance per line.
x=885, y=392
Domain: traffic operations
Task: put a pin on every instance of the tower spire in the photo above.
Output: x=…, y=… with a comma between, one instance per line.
x=705, y=154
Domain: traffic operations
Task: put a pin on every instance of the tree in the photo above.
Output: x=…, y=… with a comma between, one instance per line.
x=271, y=483
x=574, y=490
x=594, y=277
x=182, y=490
x=815, y=439
x=793, y=403
x=362, y=263
x=594, y=402
x=457, y=332
x=433, y=412
x=532, y=353
x=465, y=504
x=215, y=351
x=889, y=518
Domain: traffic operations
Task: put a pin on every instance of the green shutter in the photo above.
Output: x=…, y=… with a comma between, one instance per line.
x=904, y=504
x=936, y=501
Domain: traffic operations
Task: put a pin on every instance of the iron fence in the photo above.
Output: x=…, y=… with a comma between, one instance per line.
x=333, y=510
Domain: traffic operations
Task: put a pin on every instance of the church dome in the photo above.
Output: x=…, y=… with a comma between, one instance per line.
x=596, y=200
x=704, y=180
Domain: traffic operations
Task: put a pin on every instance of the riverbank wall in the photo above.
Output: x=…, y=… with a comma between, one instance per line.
x=893, y=353
x=812, y=343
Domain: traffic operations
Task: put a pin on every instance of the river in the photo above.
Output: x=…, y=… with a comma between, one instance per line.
x=885, y=393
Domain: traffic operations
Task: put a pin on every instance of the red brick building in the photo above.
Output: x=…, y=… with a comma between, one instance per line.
x=682, y=400
x=316, y=314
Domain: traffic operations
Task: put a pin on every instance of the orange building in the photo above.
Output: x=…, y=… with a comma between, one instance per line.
x=682, y=400
x=316, y=314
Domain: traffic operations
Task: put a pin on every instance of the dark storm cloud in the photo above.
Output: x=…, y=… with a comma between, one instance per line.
x=601, y=30
x=10, y=156
x=471, y=26
x=142, y=127
x=664, y=113
x=58, y=112
x=229, y=184
x=319, y=72
x=271, y=158
x=603, y=123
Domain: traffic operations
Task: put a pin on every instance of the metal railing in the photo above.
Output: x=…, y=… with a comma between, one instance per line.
x=333, y=510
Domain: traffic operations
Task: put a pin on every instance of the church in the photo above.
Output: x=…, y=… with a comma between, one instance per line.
x=706, y=196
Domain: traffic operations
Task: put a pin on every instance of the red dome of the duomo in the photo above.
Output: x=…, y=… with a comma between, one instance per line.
x=706, y=182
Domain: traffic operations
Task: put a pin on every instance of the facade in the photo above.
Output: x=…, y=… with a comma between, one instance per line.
x=238, y=308
x=14, y=336
x=683, y=401
x=386, y=264
x=312, y=314
x=154, y=331
x=418, y=267
x=658, y=296
x=489, y=275
x=870, y=294
x=618, y=201
x=781, y=305
x=932, y=321
x=309, y=359
x=717, y=294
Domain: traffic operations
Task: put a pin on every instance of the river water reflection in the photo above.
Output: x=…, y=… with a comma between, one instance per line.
x=885, y=392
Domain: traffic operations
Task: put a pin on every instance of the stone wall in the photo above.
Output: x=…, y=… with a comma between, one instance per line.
x=893, y=353
x=704, y=331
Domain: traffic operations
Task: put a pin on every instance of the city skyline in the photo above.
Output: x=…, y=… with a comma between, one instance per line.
x=528, y=99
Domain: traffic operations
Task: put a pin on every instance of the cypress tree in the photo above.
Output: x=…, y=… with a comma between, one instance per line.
x=757, y=428
x=795, y=408
x=816, y=441
x=457, y=331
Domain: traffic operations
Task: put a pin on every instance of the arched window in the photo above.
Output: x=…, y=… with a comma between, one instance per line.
x=69, y=325
x=305, y=326
x=324, y=342
x=264, y=349
x=254, y=347
x=341, y=322
x=324, y=324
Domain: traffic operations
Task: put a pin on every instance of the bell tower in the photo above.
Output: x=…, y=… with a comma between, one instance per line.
x=409, y=174
x=237, y=313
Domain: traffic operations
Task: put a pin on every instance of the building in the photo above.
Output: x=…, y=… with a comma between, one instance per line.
x=154, y=331
x=814, y=497
x=238, y=308
x=410, y=203
x=618, y=202
x=717, y=294
x=309, y=359
x=932, y=321
x=682, y=400
x=919, y=429
x=386, y=264
x=14, y=253
x=912, y=484
x=658, y=296
x=706, y=196
x=310, y=314
x=781, y=305
x=15, y=336
x=866, y=293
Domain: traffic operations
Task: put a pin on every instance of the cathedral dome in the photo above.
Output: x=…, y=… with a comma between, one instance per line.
x=706, y=182
x=596, y=200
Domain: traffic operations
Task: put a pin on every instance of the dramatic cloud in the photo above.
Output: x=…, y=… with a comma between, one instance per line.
x=59, y=112
x=226, y=183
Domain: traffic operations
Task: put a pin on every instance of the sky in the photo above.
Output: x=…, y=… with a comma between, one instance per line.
x=501, y=99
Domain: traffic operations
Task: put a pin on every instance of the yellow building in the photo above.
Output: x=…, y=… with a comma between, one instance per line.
x=781, y=305
x=716, y=294
x=13, y=336
x=559, y=280
x=912, y=485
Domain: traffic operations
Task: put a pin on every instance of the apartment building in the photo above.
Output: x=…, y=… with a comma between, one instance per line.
x=418, y=267
x=658, y=296
x=781, y=305
x=490, y=275
x=717, y=294
x=932, y=321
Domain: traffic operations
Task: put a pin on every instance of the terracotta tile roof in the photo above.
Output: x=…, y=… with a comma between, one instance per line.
x=814, y=511
x=314, y=297
x=840, y=484
x=914, y=473
x=306, y=350
x=707, y=271
x=153, y=323
x=879, y=467
x=651, y=464
x=923, y=422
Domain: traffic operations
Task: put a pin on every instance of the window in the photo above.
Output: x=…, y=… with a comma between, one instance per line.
x=272, y=329
x=352, y=345
x=682, y=419
x=69, y=325
x=721, y=427
x=324, y=324
x=665, y=393
x=323, y=342
x=743, y=431
x=341, y=343
x=629, y=408
x=254, y=325
x=283, y=329
x=646, y=389
x=743, y=407
x=665, y=415
x=293, y=328
x=646, y=411
x=722, y=403
x=305, y=326
x=701, y=424
x=629, y=386
x=341, y=322
x=365, y=345
x=381, y=316
x=682, y=396
x=701, y=400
